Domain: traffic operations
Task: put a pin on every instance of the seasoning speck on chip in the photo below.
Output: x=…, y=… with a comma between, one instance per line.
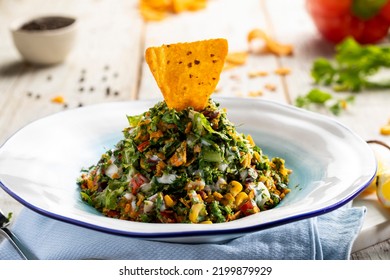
x=187, y=73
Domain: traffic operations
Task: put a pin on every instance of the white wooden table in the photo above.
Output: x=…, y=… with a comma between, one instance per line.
x=107, y=65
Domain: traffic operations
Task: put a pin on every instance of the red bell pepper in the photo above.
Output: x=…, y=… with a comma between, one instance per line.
x=366, y=21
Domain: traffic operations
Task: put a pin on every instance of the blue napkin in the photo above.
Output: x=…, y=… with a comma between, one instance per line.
x=329, y=236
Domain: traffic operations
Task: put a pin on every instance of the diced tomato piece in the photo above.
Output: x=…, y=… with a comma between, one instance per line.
x=247, y=208
x=137, y=181
x=142, y=147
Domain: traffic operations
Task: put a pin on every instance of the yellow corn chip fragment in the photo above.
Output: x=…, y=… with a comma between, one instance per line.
x=156, y=10
x=282, y=71
x=58, y=99
x=179, y=6
x=187, y=73
x=270, y=44
x=152, y=14
x=235, y=59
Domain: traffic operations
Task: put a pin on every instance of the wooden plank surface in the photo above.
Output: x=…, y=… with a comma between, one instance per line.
x=107, y=65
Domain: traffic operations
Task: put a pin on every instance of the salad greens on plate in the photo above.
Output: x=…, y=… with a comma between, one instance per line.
x=184, y=167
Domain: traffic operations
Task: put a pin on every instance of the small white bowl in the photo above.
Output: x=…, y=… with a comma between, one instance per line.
x=45, y=46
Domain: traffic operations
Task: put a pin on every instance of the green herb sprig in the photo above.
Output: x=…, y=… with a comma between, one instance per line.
x=324, y=99
x=352, y=70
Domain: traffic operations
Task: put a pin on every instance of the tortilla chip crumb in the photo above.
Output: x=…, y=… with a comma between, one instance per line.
x=256, y=93
x=271, y=45
x=235, y=59
x=58, y=99
x=254, y=74
x=235, y=77
x=238, y=58
x=385, y=130
x=283, y=71
x=270, y=87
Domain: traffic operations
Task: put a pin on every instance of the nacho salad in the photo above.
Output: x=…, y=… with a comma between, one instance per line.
x=184, y=167
x=183, y=161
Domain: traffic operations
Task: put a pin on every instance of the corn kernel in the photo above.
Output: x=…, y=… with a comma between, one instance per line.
x=240, y=198
x=250, y=139
x=247, y=160
x=236, y=187
x=195, y=212
x=217, y=195
x=169, y=201
x=256, y=155
x=228, y=199
x=206, y=222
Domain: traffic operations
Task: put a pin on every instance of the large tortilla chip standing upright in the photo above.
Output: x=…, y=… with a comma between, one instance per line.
x=187, y=73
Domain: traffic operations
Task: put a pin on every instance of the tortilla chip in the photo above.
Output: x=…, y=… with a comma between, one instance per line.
x=156, y=10
x=152, y=15
x=187, y=73
x=270, y=44
x=179, y=6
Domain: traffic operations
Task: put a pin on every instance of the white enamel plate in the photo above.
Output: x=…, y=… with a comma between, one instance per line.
x=331, y=165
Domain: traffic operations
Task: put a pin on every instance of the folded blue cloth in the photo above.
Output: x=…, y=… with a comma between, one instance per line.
x=329, y=236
